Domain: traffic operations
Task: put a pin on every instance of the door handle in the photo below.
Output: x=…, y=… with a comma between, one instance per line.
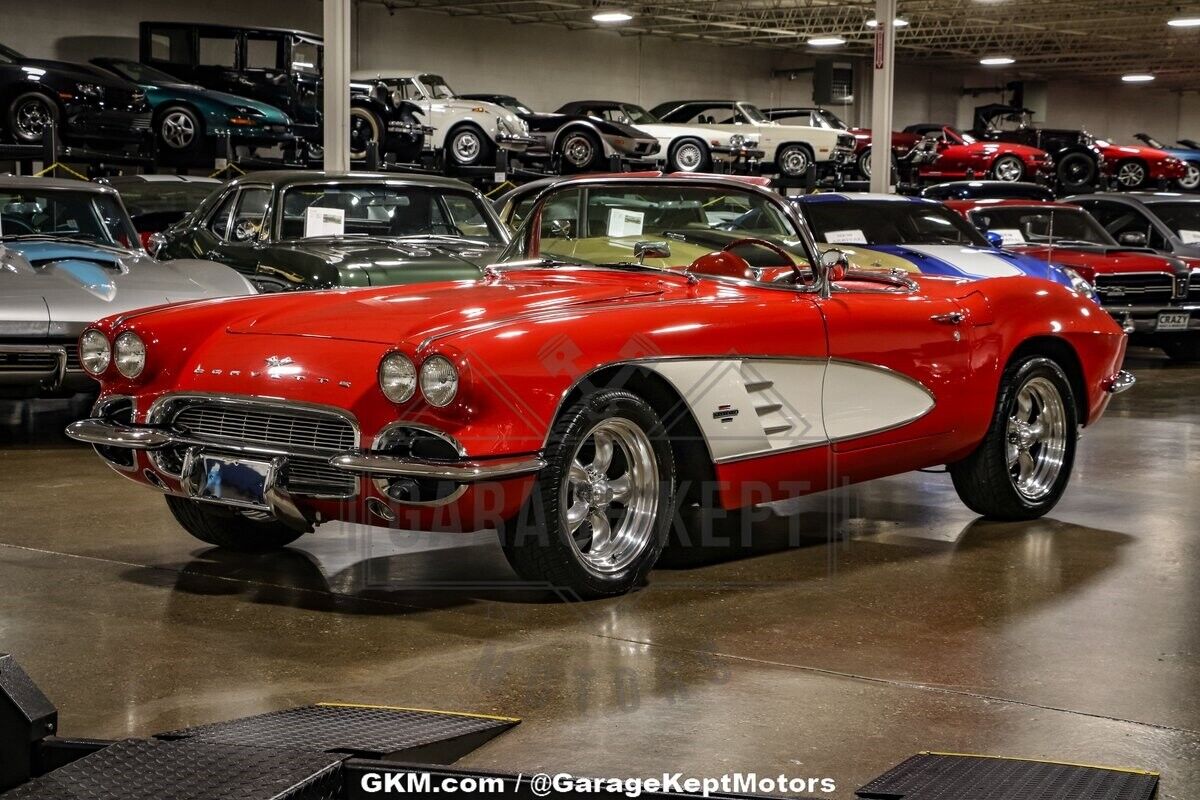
x=949, y=318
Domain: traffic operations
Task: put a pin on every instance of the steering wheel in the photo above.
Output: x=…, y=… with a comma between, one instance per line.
x=774, y=248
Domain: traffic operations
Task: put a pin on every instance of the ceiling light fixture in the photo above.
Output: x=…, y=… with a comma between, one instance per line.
x=1185, y=22
x=826, y=41
x=996, y=61
x=612, y=16
x=1137, y=78
x=896, y=23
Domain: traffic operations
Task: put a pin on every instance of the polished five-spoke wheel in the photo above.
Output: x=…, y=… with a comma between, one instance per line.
x=1037, y=439
x=1008, y=168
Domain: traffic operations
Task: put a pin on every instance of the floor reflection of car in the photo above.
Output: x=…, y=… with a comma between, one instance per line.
x=155, y=202
x=645, y=347
x=295, y=229
x=70, y=255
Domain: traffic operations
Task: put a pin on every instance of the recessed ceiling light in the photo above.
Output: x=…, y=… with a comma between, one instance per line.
x=996, y=61
x=1184, y=22
x=896, y=23
x=1137, y=78
x=612, y=16
x=826, y=41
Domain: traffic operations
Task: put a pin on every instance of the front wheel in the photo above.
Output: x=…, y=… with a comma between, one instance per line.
x=794, y=160
x=1023, y=465
x=365, y=127
x=601, y=509
x=1009, y=169
x=468, y=147
x=1132, y=174
x=864, y=164
x=29, y=115
x=688, y=155
x=1190, y=181
x=228, y=529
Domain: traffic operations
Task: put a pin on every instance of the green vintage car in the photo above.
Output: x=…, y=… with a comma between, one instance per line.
x=295, y=229
x=187, y=119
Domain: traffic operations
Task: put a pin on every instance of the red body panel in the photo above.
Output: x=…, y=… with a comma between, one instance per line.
x=901, y=142
x=1162, y=166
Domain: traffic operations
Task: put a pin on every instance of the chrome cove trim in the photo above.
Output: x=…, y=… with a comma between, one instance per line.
x=462, y=472
x=1123, y=381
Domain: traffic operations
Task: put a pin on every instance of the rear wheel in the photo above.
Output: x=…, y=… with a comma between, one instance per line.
x=1023, y=465
x=601, y=509
x=1076, y=172
x=365, y=127
x=229, y=529
x=864, y=163
x=1008, y=168
x=29, y=115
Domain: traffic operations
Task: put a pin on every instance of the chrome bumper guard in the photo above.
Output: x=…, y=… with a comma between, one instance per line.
x=1123, y=382
x=97, y=431
x=512, y=141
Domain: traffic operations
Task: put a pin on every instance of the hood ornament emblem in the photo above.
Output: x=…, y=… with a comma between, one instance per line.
x=276, y=361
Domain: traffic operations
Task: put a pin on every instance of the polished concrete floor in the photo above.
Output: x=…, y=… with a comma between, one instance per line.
x=896, y=623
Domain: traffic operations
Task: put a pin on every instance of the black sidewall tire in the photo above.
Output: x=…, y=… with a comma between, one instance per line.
x=1133, y=187
x=808, y=156
x=1076, y=185
x=375, y=124
x=705, y=159
x=982, y=479
x=538, y=546
x=1003, y=158
x=597, y=151
x=199, y=146
x=230, y=531
x=19, y=101
x=485, y=147
x=865, y=155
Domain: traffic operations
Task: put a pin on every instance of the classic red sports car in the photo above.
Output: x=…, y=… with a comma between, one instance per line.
x=1146, y=292
x=962, y=156
x=1137, y=166
x=645, y=345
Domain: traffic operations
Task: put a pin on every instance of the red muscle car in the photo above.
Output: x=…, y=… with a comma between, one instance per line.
x=1137, y=166
x=960, y=155
x=1146, y=292
x=645, y=346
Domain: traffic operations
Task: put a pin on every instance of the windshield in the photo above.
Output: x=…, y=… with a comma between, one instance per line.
x=8, y=55
x=1182, y=218
x=1032, y=225
x=306, y=57
x=889, y=222
x=148, y=197
x=514, y=105
x=636, y=115
x=63, y=214
x=140, y=73
x=437, y=87
x=388, y=211
x=601, y=224
x=828, y=119
x=753, y=113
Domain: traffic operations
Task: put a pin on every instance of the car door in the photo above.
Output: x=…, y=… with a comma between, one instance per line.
x=230, y=234
x=263, y=71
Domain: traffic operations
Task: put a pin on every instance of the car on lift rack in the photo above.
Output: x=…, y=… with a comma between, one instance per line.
x=89, y=108
x=581, y=142
x=980, y=190
x=682, y=148
x=792, y=149
x=960, y=155
x=295, y=229
x=817, y=117
x=1188, y=156
x=636, y=356
x=70, y=255
x=188, y=119
x=1148, y=293
x=1079, y=165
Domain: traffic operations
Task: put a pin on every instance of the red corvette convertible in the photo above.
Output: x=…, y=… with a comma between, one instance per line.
x=1138, y=166
x=646, y=345
x=962, y=156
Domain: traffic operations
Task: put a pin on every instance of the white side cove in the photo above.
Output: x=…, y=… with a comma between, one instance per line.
x=757, y=406
x=969, y=261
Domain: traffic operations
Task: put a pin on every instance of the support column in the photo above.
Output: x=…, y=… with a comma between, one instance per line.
x=336, y=110
x=881, y=96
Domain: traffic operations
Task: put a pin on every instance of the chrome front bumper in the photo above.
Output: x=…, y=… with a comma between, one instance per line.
x=105, y=433
x=514, y=142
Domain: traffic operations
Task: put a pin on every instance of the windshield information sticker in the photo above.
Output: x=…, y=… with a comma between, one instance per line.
x=851, y=236
x=625, y=223
x=324, y=221
x=1008, y=235
x=1189, y=237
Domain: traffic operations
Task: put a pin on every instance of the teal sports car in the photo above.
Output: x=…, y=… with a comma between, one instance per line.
x=187, y=119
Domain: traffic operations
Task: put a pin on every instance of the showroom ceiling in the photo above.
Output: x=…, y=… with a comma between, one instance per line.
x=1094, y=38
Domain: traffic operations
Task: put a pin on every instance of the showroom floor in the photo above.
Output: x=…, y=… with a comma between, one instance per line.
x=1076, y=638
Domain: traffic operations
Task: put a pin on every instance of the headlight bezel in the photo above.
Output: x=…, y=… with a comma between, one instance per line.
x=107, y=352
x=397, y=360
x=439, y=398
x=1079, y=284
x=129, y=343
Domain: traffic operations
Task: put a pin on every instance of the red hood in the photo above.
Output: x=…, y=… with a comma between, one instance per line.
x=1090, y=262
x=1116, y=152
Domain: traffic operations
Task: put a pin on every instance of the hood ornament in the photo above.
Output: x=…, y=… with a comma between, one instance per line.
x=276, y=361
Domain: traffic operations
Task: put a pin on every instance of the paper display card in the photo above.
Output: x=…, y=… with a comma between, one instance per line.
x=1008, y=235
x=1190, y=237
x=852, y=236
x=625, y=223
x=324, y=221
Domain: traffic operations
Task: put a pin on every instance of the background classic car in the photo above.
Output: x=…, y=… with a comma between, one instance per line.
x=156, y=202
x=818, y=117
x=1136, y=167
x=1188, y=156
x=1078, y=163
x=293, y=229
x=69, y=255
x=961, y=155
x=572, y=407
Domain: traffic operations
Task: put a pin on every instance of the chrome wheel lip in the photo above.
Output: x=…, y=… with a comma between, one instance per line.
x=618, y=512
x=1008, y=169
x=1130, y=175
x=466, y=146
x=177, y=130
x=578, y=150
x=1036, y=439
x=31, y=118
x=689, y=157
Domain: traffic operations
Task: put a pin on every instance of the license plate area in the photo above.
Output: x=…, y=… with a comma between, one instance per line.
x=1173, y=321
x=227, y=480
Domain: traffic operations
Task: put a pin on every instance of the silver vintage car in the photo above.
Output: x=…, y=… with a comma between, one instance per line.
x=69, y=255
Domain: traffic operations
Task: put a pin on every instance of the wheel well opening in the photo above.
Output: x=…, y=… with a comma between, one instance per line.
x=1065, y=356
x=693, y=464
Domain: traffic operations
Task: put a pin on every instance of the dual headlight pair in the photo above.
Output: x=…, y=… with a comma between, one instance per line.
x=399, y=378
x=128, y=351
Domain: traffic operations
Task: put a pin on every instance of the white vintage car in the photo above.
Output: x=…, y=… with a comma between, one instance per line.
x=791, y=148
x=682, y=148
x=468, y=132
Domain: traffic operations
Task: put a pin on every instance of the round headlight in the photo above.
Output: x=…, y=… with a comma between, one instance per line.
x=737, y=140
x=129, y=353
x=94, y=352
x=439, y=381
x=1080, y=284
x=397, y=377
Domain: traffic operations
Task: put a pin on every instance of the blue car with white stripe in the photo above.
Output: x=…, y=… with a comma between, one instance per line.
x=887, y=231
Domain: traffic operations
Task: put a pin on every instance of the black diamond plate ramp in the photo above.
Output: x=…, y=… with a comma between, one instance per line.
x=435, y=737
x=138, y=769
x=950, y=776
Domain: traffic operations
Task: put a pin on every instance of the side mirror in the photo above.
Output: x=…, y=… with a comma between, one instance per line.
x=644, y=250
x=1133, y=238
x=155, y=243
x=994, y=239
x=831, y=268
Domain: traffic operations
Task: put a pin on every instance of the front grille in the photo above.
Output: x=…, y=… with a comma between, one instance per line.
x=141, y=122
x=1136, y=288
x=73, y=363
x=317, y=434
x=27, y=362
x=1193, y=292
x=845, y=141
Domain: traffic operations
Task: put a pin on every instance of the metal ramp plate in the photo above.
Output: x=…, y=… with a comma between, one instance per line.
x=436, y=737
x=139, y=769
x=949, y=776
